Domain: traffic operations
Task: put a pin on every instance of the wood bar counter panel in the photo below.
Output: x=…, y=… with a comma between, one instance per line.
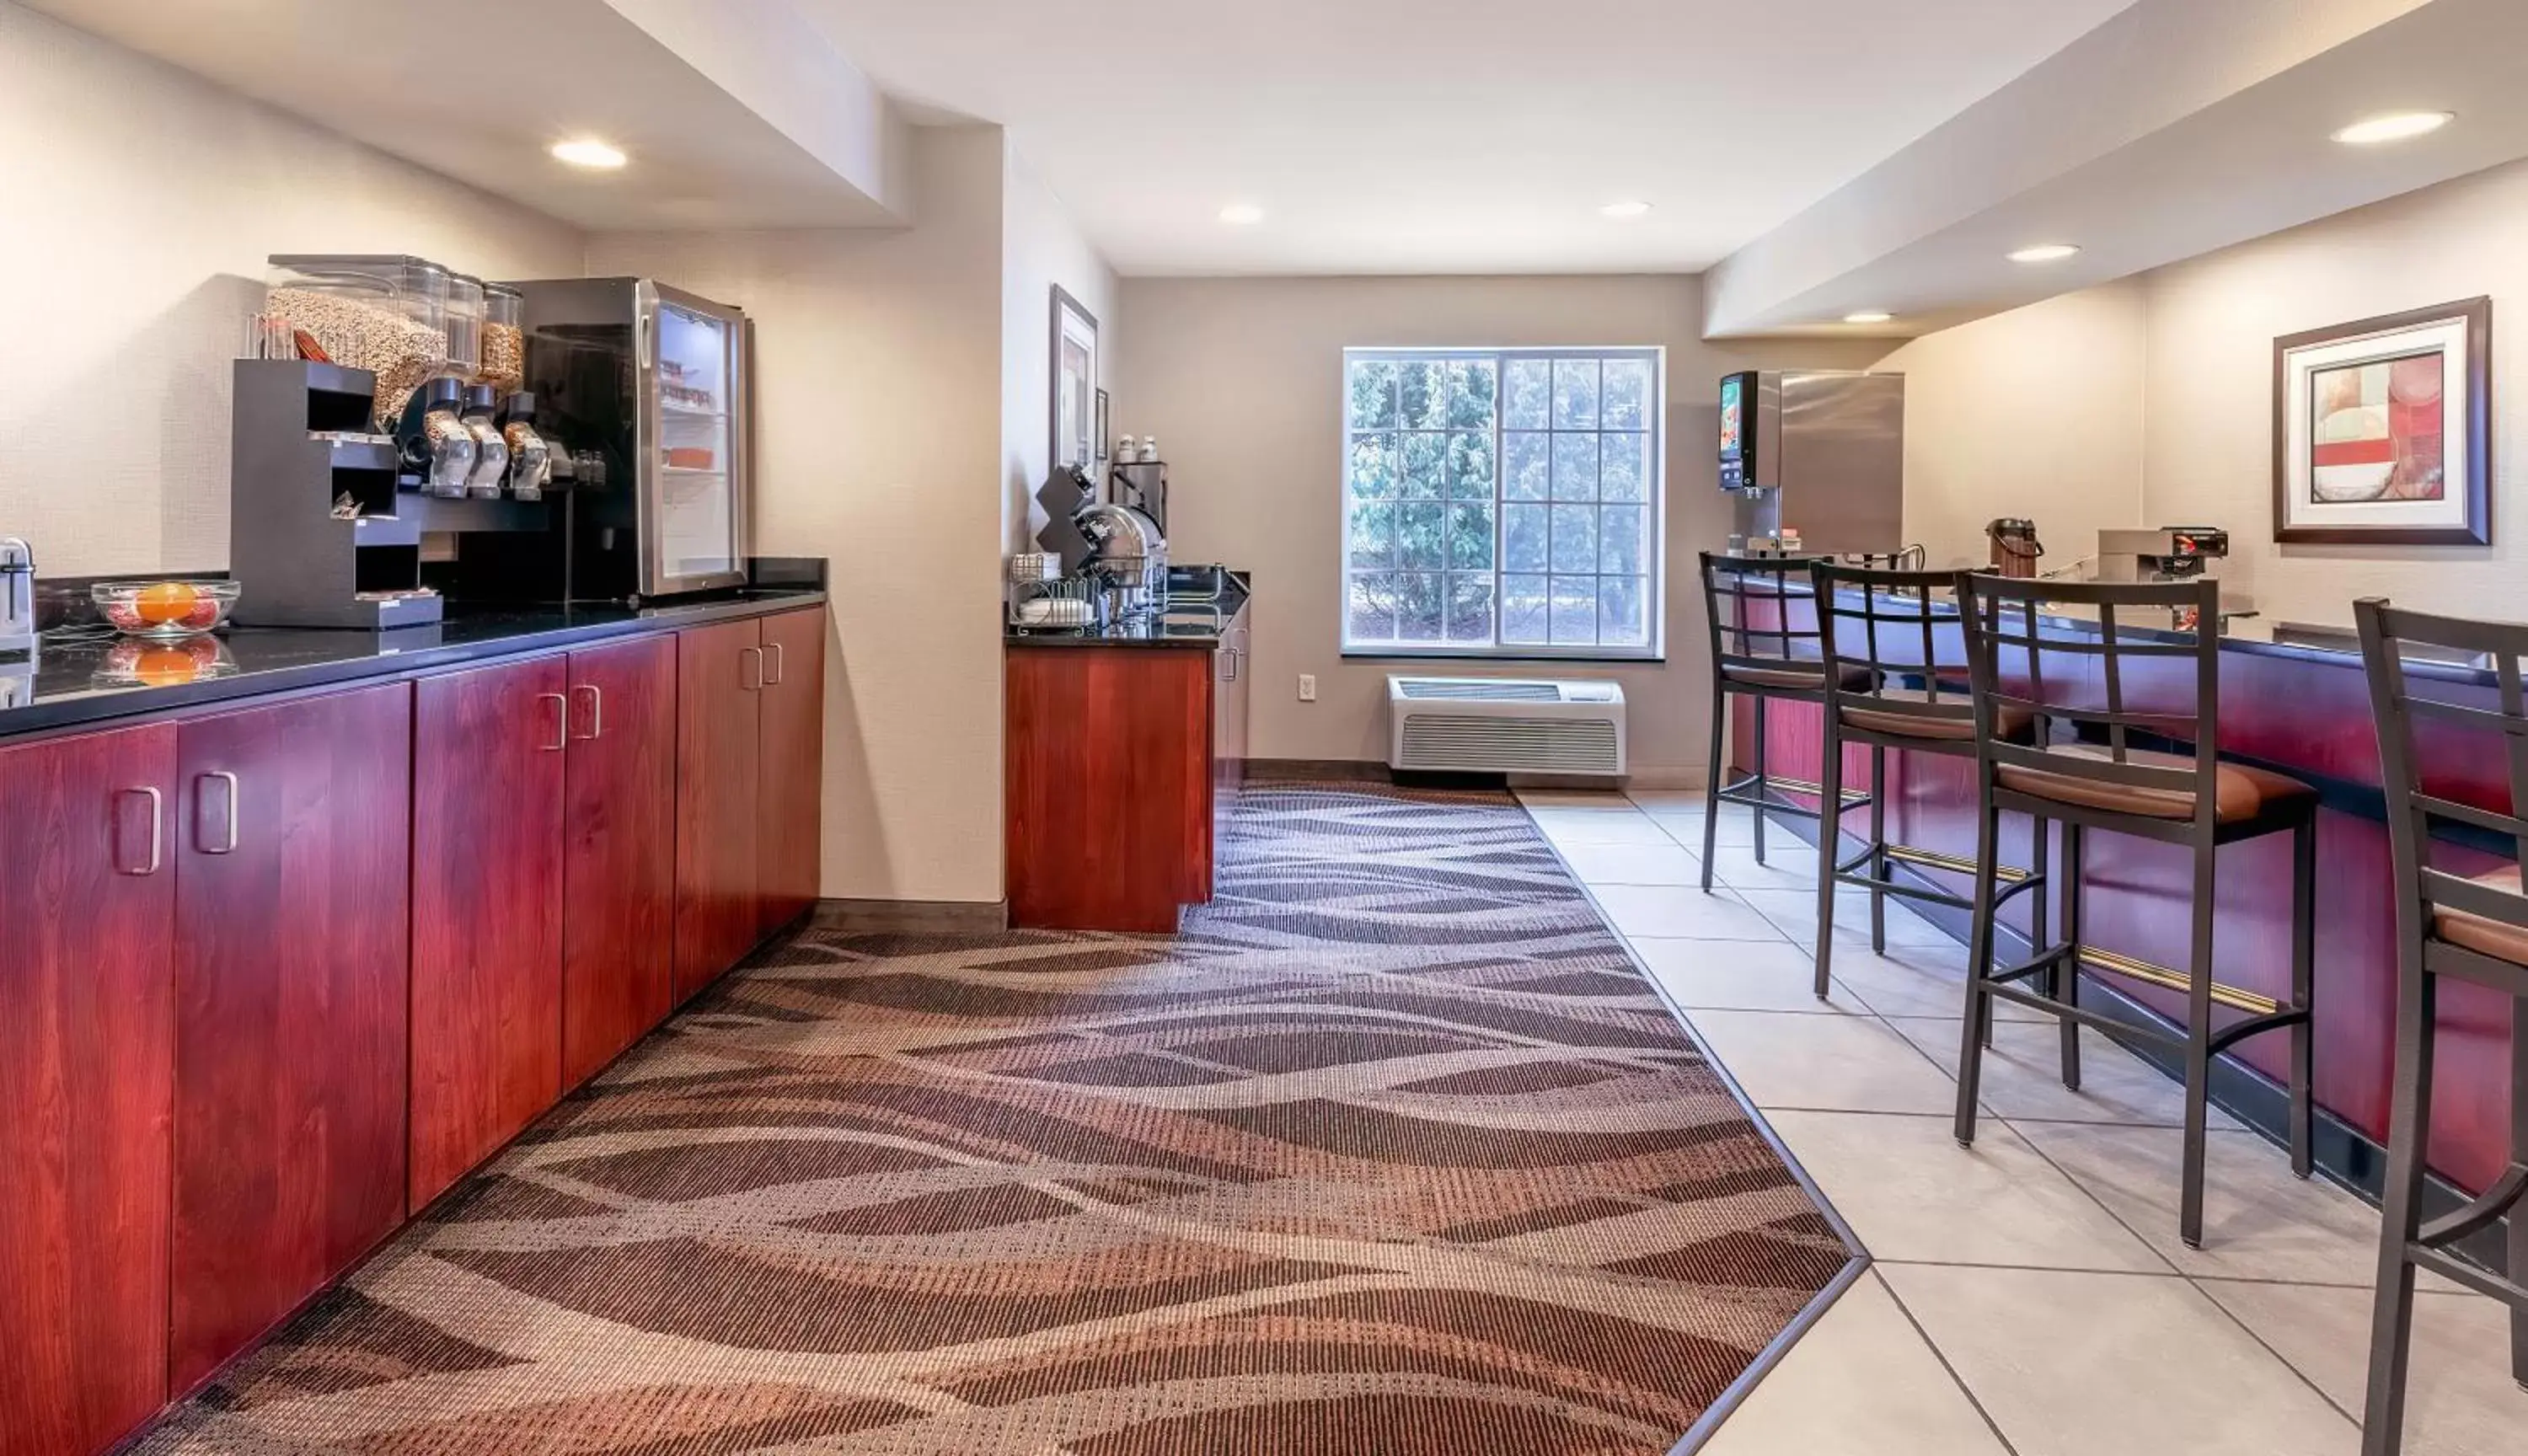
x=487, y=912
x=792, y=752
x=87, y=1027
x=719, y=685
x=290, y=848
x=619, y=855
x=1110, y=791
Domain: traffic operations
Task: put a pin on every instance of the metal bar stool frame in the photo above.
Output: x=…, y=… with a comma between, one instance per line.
x=2006, y=614
x=1781, y=663
x=1913, y=606
x=2425, y=897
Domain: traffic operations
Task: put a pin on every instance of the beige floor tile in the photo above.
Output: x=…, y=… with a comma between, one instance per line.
x=1735, y=826
x=2460, y=1399
x=2259, y=1223
x=1681, y=913
x=1588, y=827
x=2115, y=1365
x=1861, y=1382
x=1661, y=864
x=1740, y=976
x=1795, y=910
x=1574, y=798
x=1831, y=1063
x=2022, y=1075
x=1914, y=1195
x=1927, y=981
x=1669, y=800
x=1791, y=866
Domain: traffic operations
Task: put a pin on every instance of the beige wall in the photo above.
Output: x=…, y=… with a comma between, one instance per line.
x=1241, y=379
x=1042, y=247
x=2037, y=412
x=879, y=410
x=2213, y=321
x=2150, y=402
x=141, y=203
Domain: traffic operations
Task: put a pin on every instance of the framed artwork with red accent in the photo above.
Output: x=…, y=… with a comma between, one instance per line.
x=2383, y=429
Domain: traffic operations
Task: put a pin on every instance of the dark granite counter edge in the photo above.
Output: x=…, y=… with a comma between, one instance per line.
x=1237, y=594
x=110, y=710
x=2297, y=652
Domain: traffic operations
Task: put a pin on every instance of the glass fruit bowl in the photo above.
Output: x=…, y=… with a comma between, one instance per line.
x=166, y=612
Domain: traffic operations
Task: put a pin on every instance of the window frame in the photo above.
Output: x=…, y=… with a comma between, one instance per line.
x=1653, y=650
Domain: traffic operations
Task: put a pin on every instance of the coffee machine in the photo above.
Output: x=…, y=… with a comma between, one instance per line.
x=2169, y=553
x=1814, y=460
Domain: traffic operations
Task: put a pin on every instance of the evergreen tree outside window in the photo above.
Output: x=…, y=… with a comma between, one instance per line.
x=1502, y=502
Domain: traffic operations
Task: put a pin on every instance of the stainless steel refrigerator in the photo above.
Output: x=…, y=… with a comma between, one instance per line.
x=642, y=389
x=1818, y=452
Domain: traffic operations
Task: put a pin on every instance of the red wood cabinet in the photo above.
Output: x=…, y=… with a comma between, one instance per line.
x=719, y=687
x=87, y=1026
x=619, y=857
x=791, y=740
x=488, y=748
x=292, y=873
x=1109, y=784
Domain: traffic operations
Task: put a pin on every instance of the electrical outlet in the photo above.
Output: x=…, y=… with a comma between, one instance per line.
x=1308, y=687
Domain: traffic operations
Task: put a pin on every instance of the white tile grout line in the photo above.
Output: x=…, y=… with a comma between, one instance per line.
x=1873, y=1013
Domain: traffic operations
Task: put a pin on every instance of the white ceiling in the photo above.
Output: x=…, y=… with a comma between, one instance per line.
x=1446, y=136
x=479, y=89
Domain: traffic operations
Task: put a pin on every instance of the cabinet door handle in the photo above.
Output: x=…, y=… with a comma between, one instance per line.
x=562, y=722
x=231, y=780
x=157, y=832
x=1228, y=664
x=595, y=712
x=756, y=655
x=780, y=660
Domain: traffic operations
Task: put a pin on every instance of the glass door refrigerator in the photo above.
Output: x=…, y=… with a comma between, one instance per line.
x=641, y=391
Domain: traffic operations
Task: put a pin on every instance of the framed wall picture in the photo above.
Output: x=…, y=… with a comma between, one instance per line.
x=2383, y=429
x=1105, y=432
x=1075, y=384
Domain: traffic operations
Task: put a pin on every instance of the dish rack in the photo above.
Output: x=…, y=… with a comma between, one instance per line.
x=1042, y=600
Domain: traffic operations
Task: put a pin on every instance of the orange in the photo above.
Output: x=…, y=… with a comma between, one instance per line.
x=165, y=667
x=165, y=602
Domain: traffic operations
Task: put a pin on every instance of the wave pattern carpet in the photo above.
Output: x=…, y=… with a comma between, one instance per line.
x=1391, y=1151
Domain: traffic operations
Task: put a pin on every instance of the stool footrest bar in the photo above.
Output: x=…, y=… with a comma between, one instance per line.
x=2504, y=1195
x=2458, y=1270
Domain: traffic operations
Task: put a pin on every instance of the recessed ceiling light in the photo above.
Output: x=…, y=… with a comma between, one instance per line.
x=2044, y=252
x=589, y=153
x=2399, y=126
x=1869, y=316
x=1242, y=214
x=1623, y=211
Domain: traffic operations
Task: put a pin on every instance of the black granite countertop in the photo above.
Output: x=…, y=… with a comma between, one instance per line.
x=85, y=676
x=1202, y=602
x=2325, y=646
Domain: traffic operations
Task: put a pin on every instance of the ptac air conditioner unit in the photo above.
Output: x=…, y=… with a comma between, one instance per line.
x=1504, y=725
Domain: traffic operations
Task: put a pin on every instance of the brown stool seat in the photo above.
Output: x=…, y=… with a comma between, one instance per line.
x=2014, y=722
x=2241, y=793
x=1792, y=674
x=2482, y=934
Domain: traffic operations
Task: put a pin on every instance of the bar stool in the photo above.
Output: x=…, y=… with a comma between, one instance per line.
x=2472, y=929
x=1765, y=646
x=1893, y=641
x=2105, y=782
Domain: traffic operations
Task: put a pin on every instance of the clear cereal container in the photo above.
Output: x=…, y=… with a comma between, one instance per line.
x=465, y=326
x=385, y=313
x=505, y=337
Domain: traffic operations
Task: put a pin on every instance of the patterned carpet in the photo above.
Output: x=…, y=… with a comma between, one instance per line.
x=1391, y=1152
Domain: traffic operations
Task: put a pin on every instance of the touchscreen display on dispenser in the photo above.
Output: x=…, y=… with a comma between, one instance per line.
x=1733, y=416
